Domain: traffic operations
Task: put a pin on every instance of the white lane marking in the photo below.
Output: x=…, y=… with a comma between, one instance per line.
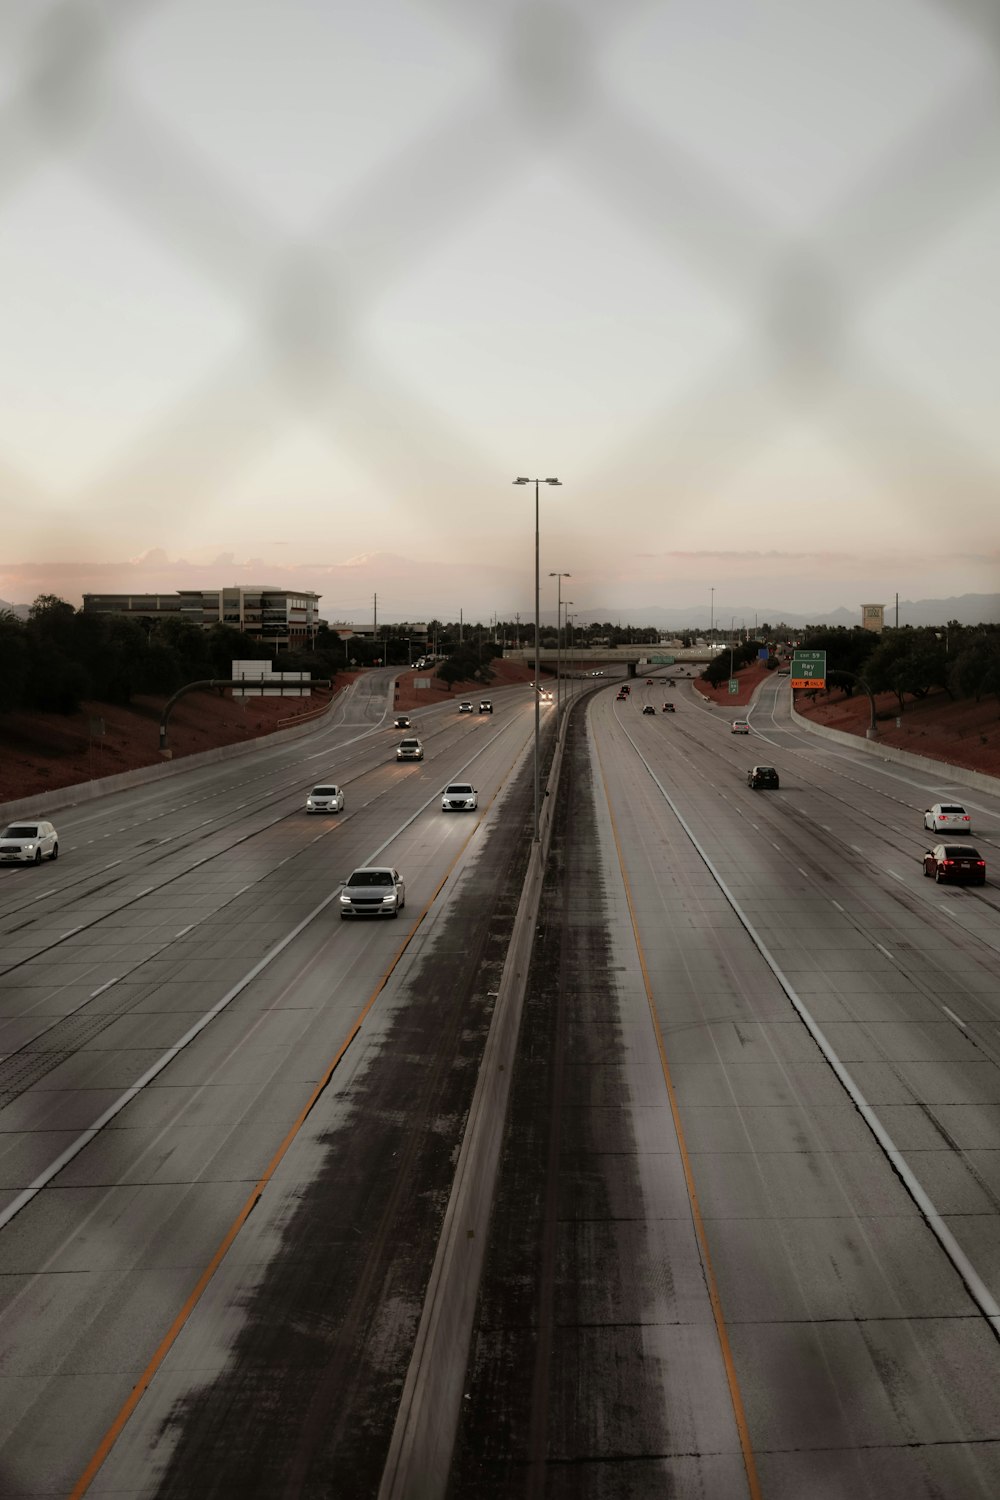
x=189, y=928
x=70, y=933
x=112, y=865
x=883, y=950
x=855, y=848
x=802, y=872
x=86, y=1136
x=146, y=891
x=894, y=875
x=957, y=1019
x=826, y=827
x=776, y=846
x=836, y=904
x=100, y=990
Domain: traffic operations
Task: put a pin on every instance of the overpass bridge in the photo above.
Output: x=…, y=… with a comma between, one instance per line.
x=650, y=660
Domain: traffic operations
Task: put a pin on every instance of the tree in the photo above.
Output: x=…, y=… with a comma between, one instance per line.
x=976, y=669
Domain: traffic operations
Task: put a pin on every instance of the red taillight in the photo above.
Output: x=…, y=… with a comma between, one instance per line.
x=980, y=864
x=966, y=818
x=945, y=863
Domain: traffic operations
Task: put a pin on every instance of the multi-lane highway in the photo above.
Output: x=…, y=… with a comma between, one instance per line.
x=746, y=1226
x=747, y=1234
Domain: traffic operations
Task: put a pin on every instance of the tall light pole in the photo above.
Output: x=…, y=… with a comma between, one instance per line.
x=538, y=659
x=566, y=604
x=711, y=626
x=559, y=578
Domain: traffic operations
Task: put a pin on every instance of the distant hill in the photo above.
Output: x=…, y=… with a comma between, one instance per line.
x=967, y=609
x=20, y=610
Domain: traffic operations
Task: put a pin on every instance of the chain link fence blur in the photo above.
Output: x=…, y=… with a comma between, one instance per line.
x=306, y=301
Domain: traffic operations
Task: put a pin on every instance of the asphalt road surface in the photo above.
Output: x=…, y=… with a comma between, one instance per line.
x=745, y=1240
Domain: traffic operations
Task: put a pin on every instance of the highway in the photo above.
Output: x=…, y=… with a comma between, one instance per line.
x=745, y=1239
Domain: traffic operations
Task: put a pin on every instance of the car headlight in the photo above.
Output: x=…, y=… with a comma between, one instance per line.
x=388, y=900
x=28, y=848
x=345, y=898
x=309, y=802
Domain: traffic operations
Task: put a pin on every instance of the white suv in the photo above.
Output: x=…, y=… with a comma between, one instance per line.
x=460, y=796
x=409, y=750
x=26, y=843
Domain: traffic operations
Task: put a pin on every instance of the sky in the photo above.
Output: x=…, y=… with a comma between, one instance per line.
x=292, y=290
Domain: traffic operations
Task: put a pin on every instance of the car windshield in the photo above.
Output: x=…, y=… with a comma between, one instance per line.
x=371, y=877
x=324, y=791
x=20, y=831
x=457, y=787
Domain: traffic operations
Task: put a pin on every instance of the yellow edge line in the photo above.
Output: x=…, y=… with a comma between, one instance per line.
x=113, y=1433
x=749, y=1462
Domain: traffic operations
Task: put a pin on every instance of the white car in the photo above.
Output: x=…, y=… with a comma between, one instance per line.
x=460, y=796
x=947, y=817
x=326, y=798
x=409, y=750
x=373, y=891
x=465, y=707
x=740, y=726
x=26, y=843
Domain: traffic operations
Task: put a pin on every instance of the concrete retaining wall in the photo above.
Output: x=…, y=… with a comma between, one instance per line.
x=423, y=1438
x=934, y=770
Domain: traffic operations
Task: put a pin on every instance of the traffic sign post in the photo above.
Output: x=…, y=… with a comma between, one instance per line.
x=734, y=687
x=808, y=669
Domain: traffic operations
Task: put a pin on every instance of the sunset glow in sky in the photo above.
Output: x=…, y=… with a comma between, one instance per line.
x=292, y=291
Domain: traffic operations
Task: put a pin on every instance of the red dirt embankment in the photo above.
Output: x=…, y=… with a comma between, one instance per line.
x=965, y=733
x=44, y=752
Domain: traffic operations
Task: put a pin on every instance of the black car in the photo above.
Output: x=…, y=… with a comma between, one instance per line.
x=400, y=722
x=668, y=708
x=762, y=776
x=958, y=862
x=649, y=709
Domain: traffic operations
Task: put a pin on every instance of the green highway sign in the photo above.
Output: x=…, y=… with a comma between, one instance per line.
x=808, y=669
x=734, y=686
x=662, y=661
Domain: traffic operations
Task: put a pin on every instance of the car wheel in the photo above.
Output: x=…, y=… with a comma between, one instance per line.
x=395, y=912
x=55, y=852
x=927, y=870
x=38, y=856
x=938, y=877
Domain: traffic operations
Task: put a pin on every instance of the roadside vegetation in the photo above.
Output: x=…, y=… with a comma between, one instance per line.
x=962, y=661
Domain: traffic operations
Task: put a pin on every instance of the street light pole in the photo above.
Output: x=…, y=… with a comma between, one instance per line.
x=538, y=658
x=711, y=627
x=559, y=578
x=566, y=659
